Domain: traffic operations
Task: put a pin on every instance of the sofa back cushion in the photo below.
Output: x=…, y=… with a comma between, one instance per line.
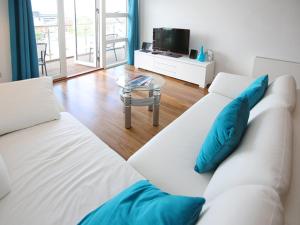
x=284, y=90
x=229, y=85
x=280, y=93
x=246, y=205
x=263, y=157
x=224, y=136
x=4, y=179
x=256, y=90
x=27, y=103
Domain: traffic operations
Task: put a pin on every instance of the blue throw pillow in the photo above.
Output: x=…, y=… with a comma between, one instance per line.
x=224, y=136
x=144, y=204
x=256, y=90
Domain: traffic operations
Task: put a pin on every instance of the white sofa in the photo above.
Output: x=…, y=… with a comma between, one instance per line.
x=263, y=158
x=60, y=171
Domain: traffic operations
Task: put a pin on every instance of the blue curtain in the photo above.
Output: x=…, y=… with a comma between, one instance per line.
x=24, y=57
x=133, y=29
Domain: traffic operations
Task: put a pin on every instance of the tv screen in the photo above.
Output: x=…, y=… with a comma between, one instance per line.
x=173, y=40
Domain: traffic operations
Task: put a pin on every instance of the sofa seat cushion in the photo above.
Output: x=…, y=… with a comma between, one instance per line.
x=263, y=157
x=168, y=159
x=27, y=103
x=244, y=205
x=59, y=172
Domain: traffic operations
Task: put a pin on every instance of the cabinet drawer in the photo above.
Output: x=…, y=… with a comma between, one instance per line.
x=165, y=64
x=165, y=67
x=143, y=61
x=192, y=73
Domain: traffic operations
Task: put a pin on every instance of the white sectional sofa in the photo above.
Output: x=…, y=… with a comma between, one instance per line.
x=60, y=171
x=262, y=160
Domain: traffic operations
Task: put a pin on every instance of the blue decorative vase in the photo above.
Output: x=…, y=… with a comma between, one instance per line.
x=201, y=56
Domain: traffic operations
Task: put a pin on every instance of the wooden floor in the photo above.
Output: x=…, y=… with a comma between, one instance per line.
x=94, y=100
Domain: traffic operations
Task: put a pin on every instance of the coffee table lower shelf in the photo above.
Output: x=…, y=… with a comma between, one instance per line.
x=152, y=102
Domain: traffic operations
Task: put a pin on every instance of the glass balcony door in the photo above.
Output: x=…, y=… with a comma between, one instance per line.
x=86, y=32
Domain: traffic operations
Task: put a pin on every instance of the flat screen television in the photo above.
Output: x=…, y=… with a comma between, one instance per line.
x=171, y=40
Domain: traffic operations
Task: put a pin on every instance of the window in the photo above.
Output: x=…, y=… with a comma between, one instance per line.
x=116, y=6
x=46, y=25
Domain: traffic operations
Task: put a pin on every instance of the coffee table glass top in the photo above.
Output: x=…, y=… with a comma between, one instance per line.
x=155, y=84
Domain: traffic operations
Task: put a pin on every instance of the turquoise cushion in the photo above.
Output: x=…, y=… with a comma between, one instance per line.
x=144, y=204
x=224, y=136
x=256, y=90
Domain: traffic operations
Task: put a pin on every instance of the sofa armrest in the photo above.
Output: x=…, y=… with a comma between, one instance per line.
x=229, y=85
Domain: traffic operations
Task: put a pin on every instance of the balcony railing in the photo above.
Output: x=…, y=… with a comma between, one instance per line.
x=49, y=34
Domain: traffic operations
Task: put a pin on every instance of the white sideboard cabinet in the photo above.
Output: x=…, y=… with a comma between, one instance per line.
x=183, y=68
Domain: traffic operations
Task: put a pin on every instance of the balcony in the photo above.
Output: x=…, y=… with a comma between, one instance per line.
x=48, y=34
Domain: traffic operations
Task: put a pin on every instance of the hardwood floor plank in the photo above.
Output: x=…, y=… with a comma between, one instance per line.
x=95, y=101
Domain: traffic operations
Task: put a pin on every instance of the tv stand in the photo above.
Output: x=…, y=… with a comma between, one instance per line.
x=182, y=68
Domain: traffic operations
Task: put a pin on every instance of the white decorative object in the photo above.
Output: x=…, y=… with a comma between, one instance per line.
x=183, y=68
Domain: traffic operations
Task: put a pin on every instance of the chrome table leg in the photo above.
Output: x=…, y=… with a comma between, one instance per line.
x=156, y=105
x=127, y=109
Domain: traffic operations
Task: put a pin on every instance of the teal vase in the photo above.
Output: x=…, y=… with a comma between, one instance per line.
x=201, y=56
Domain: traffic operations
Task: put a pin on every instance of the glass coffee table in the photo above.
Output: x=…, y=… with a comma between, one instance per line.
x=152, y=101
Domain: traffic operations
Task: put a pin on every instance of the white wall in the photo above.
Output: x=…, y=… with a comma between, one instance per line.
x=5, y=63
x=237, y=30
